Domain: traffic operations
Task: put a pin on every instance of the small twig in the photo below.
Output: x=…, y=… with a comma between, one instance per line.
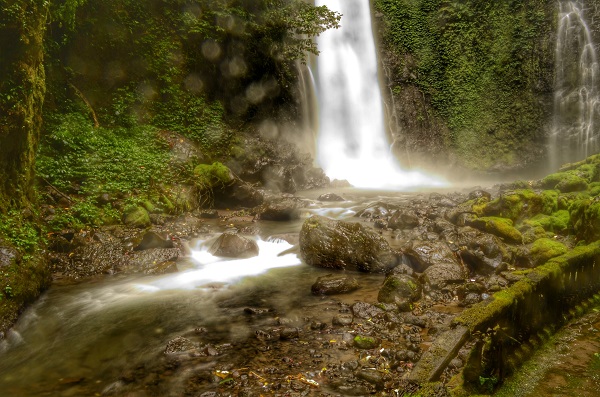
x=56, y=190
x=87, y=103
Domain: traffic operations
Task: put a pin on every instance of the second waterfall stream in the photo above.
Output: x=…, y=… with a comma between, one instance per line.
x=352, y=142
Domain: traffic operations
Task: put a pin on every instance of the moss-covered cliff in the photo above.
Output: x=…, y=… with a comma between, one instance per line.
x=470, y=82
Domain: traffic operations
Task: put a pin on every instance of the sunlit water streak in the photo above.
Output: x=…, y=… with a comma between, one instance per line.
x=352, y=142
x=212, y=269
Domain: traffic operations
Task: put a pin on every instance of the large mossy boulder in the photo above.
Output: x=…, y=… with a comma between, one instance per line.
x=328, y=243
x=541, y=251
x=136, y=216
x=568, y=181
x=211, y=176
x=585, y=218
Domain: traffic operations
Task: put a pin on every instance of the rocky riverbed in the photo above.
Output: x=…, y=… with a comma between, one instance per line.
x=376, y=277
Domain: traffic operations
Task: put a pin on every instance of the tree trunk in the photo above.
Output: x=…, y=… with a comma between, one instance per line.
x=22, y=90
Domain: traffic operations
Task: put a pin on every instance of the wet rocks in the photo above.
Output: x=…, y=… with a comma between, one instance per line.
x=179, y=345
x=403, y=219
x=334, y=244
x=232, y=245
x=152, y=239
x=366, y=310
x=284, y=209
x=334, y=284
x=399, y=289
x=444, y=274
x=153, y=261
x=330, y=197
x=481, y=252
x=423, y=254
x=342, y=320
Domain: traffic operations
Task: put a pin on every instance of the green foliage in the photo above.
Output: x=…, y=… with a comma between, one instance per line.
x=167, y=62
x=23, y=233
x=482, y=65
x=78, y=159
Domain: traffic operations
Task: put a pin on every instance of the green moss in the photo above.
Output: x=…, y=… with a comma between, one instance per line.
x=517, y=204
x=210, y=176
x=20, y=284
x=544, y=249
x=585, y=218
x=136, y=216
x=558, y=222
x=501, y=227
x=365, y=342
x=594, y=189
x=568, y=181
x=549, y=201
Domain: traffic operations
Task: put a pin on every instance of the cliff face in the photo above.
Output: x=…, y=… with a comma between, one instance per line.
x=468, y=83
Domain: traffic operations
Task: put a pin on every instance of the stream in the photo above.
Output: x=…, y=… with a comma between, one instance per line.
x=247, y=327
x=79, y=339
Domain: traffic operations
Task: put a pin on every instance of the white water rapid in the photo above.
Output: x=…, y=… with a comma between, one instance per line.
x=352, y=142
x=576, y=97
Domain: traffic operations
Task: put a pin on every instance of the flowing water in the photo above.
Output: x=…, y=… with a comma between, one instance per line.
x=352, y=142
x=575, y=132
x=79, y=339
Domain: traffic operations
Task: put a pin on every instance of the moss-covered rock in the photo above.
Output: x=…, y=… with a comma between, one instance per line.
x=568, y=181
x=516, y=204
x=335, y=244
x=22, y=280
x=501, y=227
x=210, y=176
x=365, y=342
x=136, y=216
x=558, y=222
x=544, y=249
x=585, y=217
x=399, y=288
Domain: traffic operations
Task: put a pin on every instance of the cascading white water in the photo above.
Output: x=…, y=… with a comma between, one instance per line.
x=352, y=143
x=576, y=96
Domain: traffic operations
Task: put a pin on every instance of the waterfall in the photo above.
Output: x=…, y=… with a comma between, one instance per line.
x=352, y=142
x=576, y=96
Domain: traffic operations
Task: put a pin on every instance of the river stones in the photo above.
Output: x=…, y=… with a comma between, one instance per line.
x=483, y=253
x=179, y=345
x=444, y=274
x=154, y=261
x=423, y=254
x=366, y=310
x=153, y=240
x=399, y=289
x=334, y=284
x=285, y=209
x=328, y=243
x=330, y=197
x=403, y=219
x=231, y=245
